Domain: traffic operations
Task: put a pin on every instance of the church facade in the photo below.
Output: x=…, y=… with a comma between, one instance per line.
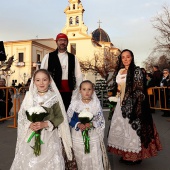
x=85, y=46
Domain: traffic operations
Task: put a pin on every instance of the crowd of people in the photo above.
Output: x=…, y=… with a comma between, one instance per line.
x=59, y=88
x=159, y=79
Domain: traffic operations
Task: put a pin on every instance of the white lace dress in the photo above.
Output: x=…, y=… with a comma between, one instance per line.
x=92, y=160
x=51, y=151
x=121, y=135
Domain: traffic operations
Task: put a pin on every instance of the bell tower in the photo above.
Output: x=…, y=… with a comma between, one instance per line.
x=75, y=26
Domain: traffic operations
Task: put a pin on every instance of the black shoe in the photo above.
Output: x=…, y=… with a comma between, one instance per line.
x=138, y=162
x=125, y=161
x=129, y=162
x=121, y=160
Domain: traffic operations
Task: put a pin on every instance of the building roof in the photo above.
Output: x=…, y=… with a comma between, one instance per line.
x=100, y=35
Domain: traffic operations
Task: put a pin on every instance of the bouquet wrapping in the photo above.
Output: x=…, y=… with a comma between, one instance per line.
x=36, y=114
x=85, y=117
x=112, y=105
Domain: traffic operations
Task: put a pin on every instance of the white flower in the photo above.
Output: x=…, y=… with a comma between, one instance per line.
x=113, y=99
x=85, y=113
x=36, y=110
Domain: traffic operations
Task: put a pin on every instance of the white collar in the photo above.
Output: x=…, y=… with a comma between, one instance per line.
x=62, y=53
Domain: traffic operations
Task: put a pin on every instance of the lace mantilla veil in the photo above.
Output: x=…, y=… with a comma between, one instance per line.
x=63, y=128
x=75, y=101
x=93, y=106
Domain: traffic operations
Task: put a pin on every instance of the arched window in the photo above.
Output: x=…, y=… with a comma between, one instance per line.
x=71, y=21
x=77, y=20
x=73, y=6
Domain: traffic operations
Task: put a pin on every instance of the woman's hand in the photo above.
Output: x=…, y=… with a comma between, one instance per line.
x=81, y=126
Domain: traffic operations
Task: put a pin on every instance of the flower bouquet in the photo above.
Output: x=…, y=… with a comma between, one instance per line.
x=36, y=114
x=112, y=105
x=85, y=117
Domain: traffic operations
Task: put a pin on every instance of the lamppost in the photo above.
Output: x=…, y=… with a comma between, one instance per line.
x=24, y=76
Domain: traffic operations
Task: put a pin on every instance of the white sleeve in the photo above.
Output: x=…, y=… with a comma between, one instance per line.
x=78, y=73
x=44, y=63
x=99, y=122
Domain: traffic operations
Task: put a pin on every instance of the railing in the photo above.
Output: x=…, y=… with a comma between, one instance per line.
x=17, y=98
x=159, y=98
x=14, y=115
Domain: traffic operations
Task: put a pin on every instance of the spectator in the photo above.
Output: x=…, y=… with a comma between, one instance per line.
x=165, y=82
x=149, y=83
x=28, y=82
x=149, y=80
x=157, y=76
x=3, y=99
x=19, y=85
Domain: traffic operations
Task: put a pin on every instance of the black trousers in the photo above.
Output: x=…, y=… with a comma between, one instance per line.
x=66, y=96
x=3, y=108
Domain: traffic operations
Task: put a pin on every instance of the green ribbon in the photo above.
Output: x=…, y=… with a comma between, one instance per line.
x=32, y=135
x=86, y=140
x=110, y=105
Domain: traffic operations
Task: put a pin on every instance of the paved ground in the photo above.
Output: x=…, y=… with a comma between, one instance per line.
x=161, y=162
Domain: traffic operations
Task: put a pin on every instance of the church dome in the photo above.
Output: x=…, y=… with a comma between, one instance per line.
x=100, y=35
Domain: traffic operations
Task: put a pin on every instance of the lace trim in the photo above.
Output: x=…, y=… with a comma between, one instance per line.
x=126, y=150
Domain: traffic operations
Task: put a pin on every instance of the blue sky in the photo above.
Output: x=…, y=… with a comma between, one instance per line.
x=127, y=22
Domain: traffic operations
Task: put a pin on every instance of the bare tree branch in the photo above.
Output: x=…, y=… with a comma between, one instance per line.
x=162, y=24
x=102, y=63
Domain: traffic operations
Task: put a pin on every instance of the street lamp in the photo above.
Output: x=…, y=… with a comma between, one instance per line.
x=38, y=65
x=24, y=76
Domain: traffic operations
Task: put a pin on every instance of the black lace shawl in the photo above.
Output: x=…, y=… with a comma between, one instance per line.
x=134, y=104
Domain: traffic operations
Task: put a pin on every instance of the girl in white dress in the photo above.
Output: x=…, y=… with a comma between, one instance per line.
x=85, y=99
x=54, y=127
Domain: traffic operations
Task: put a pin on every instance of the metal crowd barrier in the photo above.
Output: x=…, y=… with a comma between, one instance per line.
x=14, y=115
x=17, y=98
x=159, y=98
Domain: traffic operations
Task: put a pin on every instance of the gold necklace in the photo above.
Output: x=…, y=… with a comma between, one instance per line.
x=42, y=92
x=86, y=100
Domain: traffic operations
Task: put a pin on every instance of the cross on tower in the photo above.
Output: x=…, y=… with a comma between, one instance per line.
x=99, y=23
